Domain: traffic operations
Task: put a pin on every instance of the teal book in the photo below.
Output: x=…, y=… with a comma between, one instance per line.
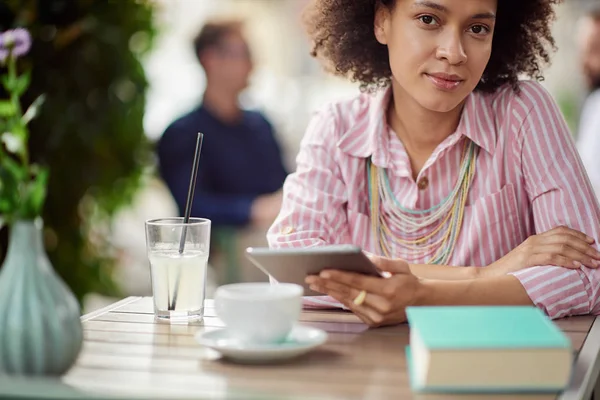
x=486, y=349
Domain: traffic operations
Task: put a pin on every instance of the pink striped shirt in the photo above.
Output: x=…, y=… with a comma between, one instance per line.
x=528, y=179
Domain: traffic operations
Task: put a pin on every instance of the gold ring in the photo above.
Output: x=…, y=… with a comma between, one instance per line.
x=360, y=298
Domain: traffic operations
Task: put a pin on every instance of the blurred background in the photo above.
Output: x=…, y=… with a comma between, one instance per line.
x=118, y=73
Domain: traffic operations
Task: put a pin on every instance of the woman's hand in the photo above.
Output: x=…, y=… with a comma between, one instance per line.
x=561, y=247
x=386, y=298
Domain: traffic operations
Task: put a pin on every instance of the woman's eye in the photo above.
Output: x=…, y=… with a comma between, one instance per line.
x=479, y=29
x=427, y=20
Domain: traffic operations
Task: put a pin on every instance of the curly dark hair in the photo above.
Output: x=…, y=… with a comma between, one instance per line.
x=343, y=37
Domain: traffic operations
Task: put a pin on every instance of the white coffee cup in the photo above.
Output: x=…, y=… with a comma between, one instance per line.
x=259, y=312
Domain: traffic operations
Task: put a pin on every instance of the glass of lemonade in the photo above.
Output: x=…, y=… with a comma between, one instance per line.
x=178, y=255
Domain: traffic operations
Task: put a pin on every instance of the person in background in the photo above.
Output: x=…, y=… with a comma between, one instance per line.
x=588, y=139
x=241, y=170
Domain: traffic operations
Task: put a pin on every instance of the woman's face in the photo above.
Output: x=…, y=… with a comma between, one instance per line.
x=438, y=49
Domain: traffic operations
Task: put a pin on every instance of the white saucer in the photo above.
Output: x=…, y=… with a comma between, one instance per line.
x=301, y=340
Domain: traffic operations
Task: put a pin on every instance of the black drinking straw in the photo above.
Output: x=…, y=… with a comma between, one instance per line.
x=188, y=211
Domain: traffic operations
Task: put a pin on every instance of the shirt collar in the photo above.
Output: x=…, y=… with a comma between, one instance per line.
x=477, y=121
x=368, y=135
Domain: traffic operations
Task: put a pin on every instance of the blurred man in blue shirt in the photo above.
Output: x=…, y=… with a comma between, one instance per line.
x=241, y=170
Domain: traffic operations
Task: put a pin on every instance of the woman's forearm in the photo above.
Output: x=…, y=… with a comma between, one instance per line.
x=503, y=290
x=444, y=272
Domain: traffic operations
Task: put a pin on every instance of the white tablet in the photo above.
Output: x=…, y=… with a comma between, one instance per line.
x=294, y=265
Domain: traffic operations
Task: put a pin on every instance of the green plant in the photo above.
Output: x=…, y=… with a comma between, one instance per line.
x=89, y=132
x=567, y=101
x=22, y=184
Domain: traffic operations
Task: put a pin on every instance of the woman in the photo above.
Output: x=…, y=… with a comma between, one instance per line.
x=452, y=162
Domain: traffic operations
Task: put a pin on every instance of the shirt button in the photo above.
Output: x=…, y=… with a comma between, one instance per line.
x=287, y=230
x=423, y=183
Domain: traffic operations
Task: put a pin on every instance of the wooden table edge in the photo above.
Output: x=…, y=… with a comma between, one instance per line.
x=109, y=308
x=586, y=370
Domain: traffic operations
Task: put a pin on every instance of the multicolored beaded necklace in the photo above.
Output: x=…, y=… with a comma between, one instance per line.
x=444, y=219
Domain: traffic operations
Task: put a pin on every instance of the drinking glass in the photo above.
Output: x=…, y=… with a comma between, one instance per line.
x=178, y=255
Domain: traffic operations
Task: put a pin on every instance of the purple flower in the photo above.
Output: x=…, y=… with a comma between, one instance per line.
x=17, y=41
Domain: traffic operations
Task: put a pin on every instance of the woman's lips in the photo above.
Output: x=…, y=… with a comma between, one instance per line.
x=444, y=82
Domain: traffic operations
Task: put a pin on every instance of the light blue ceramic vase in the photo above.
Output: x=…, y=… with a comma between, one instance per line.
x=40, y=329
